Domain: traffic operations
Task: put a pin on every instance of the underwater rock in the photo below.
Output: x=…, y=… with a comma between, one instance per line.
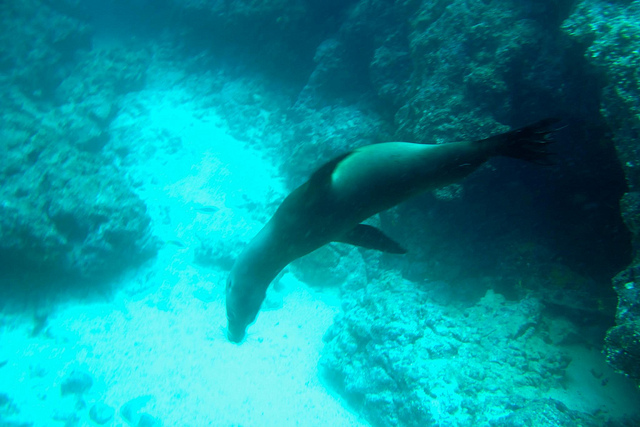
x=10, y=413
x=8, y=409
x=79, y=219
x=101, y=413
x=546, y=412
x=608, y=34
x=329, y=266
x=77, y=382
x=332, y=75
x=391, y=69
x=277, y=34
x=68, y=417
x=217, y=252
x=440, y=65
x=622, y=343
x=133, y=412
x=147, y=420
x=323, y=133
x=404, y=360
x=66, y=212
x=39, y=45
x=101, y=76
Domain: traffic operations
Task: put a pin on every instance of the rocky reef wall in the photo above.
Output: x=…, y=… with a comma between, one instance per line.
x=609, y=35
x=405, y=360
x=66, y=212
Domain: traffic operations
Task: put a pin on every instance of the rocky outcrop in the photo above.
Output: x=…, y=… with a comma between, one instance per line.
x=39, y=47
x=406, y=360
x=277, y=37
x=66, y=211
x=608, y=33
x=440, y=68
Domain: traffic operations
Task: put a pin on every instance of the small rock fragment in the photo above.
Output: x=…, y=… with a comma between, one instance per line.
x=147, y=420
x=132, y=410
x=101, y=413
x=76, y=383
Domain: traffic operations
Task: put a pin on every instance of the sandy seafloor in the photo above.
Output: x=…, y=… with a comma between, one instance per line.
x=162, y=334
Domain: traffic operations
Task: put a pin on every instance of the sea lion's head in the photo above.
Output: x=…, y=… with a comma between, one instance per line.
x=243, y=303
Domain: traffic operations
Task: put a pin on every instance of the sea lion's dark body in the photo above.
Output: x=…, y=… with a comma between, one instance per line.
x=344, y=192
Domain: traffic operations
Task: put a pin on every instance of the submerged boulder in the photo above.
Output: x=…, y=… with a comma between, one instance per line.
x=608, y=34
x=403, y=359
x=101, y=413
x=545, y=412
x=66, y=211
x=65, y=214
x=623, y=340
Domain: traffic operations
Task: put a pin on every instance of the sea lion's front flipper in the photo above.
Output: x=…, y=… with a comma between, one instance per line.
x=371, y=238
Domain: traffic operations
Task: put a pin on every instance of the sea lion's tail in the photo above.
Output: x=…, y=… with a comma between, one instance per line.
x=530, y=143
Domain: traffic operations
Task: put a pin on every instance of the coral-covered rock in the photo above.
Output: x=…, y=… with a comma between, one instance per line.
x=324, y=133
x=89, y=95
x=278, y=36
x=39, y=45
x=63, y=211
x=77, y=382
x=405, y=360
x=465, y=56
x=623, y=340
x=609, y=34
x=545, y=412
x=101, y=413
x=66, y=211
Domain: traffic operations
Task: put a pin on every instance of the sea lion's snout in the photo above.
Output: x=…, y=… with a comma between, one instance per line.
x=243, y=303
x=235, y=328
x=235, y=334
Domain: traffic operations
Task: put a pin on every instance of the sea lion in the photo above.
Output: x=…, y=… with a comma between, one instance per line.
x=330, y=206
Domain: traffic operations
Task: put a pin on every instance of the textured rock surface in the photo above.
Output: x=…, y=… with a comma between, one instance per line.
x=65, y=211
x=286, y=30
x=405, y=360
x=444, y=70
x=101, y=413
x=623, y=340
x=77, y=383
x=39, y=46
x=609, y=35
x=545, y=412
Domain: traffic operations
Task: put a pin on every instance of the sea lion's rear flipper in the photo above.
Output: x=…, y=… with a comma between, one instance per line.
x=530, y=143
x=370, y=237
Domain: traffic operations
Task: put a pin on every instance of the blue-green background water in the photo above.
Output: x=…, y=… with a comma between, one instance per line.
x=144, y=143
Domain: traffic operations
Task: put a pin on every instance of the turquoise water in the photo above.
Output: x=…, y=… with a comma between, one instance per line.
x=146, y=143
